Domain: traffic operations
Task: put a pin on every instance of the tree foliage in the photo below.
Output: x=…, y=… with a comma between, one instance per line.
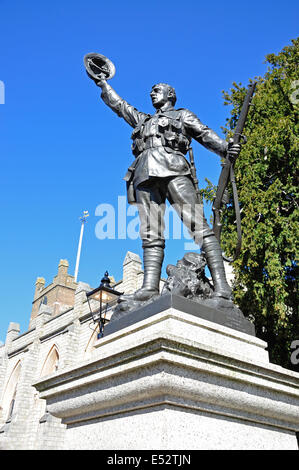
x=267, y=180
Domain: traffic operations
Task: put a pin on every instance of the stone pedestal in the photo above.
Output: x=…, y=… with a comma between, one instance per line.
x=175, y=380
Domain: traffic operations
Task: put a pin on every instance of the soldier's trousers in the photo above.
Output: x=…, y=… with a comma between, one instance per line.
x=151, y=197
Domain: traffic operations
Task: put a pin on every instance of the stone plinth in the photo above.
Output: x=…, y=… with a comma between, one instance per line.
x=218, y=311
x=174, y=380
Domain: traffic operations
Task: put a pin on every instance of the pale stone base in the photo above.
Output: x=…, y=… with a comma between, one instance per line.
x=171, y=428
x=176, y=381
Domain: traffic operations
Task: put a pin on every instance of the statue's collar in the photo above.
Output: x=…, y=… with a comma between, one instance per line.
x=165, y=107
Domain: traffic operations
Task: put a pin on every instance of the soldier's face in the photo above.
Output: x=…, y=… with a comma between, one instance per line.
x=159, y=95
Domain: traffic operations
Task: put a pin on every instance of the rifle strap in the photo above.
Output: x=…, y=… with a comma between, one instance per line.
x=193, y=176
x=237, y=211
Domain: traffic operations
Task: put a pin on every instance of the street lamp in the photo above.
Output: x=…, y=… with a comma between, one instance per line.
x=104, y=296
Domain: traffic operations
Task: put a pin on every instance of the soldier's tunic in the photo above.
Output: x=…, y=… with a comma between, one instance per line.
x=160, y=143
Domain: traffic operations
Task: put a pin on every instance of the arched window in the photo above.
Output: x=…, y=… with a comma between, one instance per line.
x=9, y=396
x=51, y=362
x=12, y=405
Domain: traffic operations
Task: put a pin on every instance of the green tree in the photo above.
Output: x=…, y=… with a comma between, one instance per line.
x=267, y=180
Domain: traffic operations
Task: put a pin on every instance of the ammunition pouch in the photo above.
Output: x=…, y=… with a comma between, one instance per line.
x=167, y=132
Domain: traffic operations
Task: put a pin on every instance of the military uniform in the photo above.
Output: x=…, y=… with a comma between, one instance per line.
x=160, y=170
x=161, y=140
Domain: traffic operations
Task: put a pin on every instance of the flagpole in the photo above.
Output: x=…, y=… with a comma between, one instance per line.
x=83, y=220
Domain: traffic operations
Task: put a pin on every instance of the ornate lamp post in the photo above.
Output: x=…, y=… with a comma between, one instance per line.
x=104, y=295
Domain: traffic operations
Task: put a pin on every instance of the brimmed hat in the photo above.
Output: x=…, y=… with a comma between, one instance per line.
x=97, y=64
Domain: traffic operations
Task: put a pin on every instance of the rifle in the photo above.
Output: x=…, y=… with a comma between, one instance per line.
x=193, y=175
x=227, y=173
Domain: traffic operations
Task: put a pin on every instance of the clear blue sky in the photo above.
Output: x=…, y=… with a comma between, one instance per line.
x=63, y=151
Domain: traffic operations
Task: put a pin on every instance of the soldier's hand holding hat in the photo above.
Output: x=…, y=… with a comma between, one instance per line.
x=101, y=80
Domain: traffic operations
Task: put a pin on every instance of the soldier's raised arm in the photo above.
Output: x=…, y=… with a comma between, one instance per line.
x=121, y=107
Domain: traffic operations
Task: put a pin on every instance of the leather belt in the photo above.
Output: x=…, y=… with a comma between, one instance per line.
x=152, y=142
x=155, y=142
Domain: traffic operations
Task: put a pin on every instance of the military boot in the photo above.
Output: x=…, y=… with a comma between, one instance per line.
x=214, y=258
x=152, y=261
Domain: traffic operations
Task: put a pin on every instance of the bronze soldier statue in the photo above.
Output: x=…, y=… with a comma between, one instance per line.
x=160, y=171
